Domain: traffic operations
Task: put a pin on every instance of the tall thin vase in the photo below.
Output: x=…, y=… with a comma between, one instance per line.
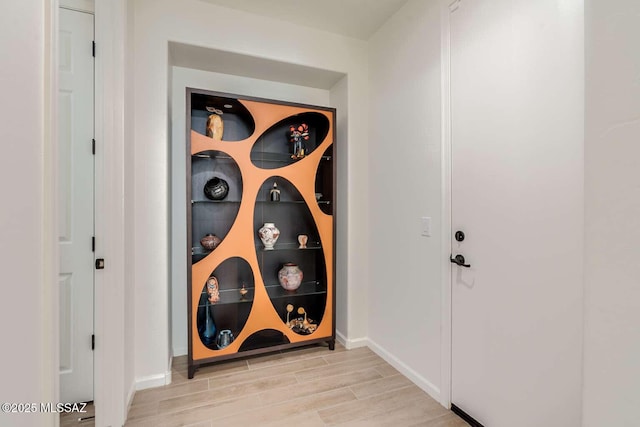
x=208, y=327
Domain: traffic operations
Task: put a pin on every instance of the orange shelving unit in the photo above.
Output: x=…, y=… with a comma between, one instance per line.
x=250, y=312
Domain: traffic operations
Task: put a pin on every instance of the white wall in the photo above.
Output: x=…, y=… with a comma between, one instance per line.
x=129, y=213
x=346, y=320
x=193, y=22
x=28, y=311
x=183, y=78
x=612, y=229
x=404, y=151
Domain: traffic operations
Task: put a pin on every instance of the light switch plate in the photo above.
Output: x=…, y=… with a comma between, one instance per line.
x=425, y=223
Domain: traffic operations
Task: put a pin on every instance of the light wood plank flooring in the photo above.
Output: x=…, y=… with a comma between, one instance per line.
x=305, y=387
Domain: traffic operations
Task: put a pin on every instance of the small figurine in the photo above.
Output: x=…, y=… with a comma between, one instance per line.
x=243, y=291
x=289, y=310
x=215, y=126
x=213, y=290
x=305, y=323
x=274, y=193
x=298, y=134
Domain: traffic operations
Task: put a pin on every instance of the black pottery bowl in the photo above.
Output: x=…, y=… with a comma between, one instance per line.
x=216, y=189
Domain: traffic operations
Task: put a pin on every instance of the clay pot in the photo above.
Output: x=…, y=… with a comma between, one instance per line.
x=210, y=241
x=225, y=337
x=216, y=189
x=290, y=276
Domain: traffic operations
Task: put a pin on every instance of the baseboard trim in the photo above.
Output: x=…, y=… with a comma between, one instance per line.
x=466, y=417
x=416, y=378
x=350, y=344
x=152, y=381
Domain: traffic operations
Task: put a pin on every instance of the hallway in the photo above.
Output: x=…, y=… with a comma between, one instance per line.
x=308, y=387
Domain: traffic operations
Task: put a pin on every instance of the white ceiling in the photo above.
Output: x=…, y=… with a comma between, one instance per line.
x=353, y=18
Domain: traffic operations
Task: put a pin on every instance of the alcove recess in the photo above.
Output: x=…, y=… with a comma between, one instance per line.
x=254, y=152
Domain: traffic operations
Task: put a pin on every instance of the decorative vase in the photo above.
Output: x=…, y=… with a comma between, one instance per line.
x=290, y=276
x=225, y=337
x=208, y=327
x=210, y=241
x=269, y=234
x=216, y=189
x=302, y=239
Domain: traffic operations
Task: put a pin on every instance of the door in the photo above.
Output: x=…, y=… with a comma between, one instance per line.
x=76, y=205
x=516, y=194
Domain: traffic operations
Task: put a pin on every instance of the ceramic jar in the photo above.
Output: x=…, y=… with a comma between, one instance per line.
x=225, y=337
x=269, y=234
x=290, y=276
x=216, y=189
x=210, y=242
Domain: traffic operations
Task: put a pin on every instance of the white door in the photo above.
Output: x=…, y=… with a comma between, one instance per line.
x=516, y=193
x=76, y=206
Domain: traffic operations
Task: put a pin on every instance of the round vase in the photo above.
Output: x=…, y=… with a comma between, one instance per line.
x=216, y=189
x=210, y=242
x=290, y=276
x=269, y=234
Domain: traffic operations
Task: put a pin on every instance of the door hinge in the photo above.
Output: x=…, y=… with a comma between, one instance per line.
x=93, y=146
x=93, y=342
x=93, y=48
x=93, y=243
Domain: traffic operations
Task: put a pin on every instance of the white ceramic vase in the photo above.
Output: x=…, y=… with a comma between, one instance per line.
x=269, y=234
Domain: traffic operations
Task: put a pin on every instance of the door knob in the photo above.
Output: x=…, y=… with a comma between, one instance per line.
x=459, y=259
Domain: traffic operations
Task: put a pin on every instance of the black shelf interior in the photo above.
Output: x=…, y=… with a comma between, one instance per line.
x=238, y=122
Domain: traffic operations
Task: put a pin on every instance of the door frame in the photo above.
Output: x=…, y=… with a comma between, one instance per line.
x=109, y=306
x=446, y=7
x=111, y=392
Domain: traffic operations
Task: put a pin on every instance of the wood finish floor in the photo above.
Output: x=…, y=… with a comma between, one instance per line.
x=305, y=387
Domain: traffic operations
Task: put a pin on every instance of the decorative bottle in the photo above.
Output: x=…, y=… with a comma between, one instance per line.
x=208, y=327
x=274, y=193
